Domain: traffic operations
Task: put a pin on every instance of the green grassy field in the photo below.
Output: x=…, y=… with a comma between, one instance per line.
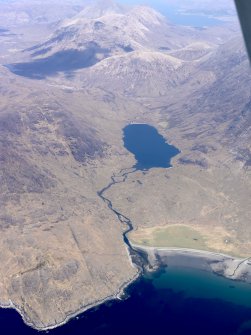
x=183, y=236
x=175, y=236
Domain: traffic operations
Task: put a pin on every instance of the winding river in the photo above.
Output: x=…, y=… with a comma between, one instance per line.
x=173, y=300
x=150, y=150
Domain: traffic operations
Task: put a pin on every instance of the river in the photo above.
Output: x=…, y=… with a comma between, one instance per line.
x=172, y=300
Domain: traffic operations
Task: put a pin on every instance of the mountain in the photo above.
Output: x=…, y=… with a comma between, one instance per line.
x=88, y=38
x=97, y=9
x=137, y=74
x=230, y=65
x=207, y=116
x=63, y=164
x=55, y=230
x=23, y=12
x=108, y=28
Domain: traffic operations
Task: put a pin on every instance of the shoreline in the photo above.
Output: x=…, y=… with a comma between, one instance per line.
x=73, y=315
x=187, y=250
x=227, y=266
x=157, y=257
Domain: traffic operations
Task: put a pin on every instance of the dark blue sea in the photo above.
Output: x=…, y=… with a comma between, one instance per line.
x=170, y=301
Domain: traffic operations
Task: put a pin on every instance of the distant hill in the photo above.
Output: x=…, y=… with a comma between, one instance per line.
x=71, y=79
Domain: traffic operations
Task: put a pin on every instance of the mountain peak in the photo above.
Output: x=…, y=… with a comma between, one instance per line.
x=147, y=14
x=98, y=9
x=144, y=14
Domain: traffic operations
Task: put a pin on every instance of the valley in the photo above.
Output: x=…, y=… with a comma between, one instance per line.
x=68, y=89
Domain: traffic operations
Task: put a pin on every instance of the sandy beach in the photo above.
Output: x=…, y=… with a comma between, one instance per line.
x=221, y=264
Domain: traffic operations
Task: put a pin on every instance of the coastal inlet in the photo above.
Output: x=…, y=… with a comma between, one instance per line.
x=172, y=300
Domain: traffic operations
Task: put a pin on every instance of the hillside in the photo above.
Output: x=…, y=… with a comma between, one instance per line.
x=66, y=95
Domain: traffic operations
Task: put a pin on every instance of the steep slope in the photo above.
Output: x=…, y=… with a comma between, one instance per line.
x=140, y=73
x=62, y=248
x=57, y=254
x=231, y=104
x=129, y=28
x=208, y=190
x=96, y=9
x=88, y=38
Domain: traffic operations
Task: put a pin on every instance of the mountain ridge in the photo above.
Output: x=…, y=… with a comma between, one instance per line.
x=63, y=107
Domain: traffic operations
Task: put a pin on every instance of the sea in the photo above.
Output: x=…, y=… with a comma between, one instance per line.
x=173, y=300
x=175, y=15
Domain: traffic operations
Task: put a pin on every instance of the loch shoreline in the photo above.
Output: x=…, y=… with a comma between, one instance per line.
x=150, y=259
